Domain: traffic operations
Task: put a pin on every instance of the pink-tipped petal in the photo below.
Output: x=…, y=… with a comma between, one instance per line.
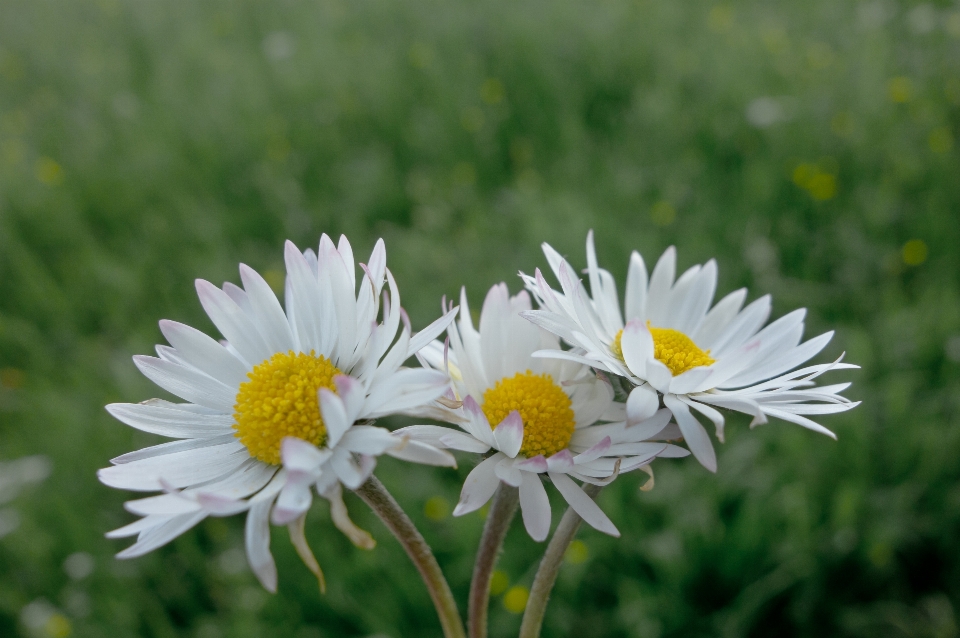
x=509, y=434
x=562, y=461
x=536, y=464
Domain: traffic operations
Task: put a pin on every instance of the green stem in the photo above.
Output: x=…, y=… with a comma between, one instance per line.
x=502, y=510
x=386, y=507
x=549, y=568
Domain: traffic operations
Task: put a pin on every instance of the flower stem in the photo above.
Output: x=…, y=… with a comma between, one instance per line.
x=386, y=507
x=502, y=510
x=549, y=568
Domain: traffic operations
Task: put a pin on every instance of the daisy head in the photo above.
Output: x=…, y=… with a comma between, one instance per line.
x=537, y=415
x=676, y=347
x=270, y=414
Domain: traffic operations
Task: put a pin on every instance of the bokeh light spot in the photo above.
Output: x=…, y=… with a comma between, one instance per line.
x=499, y=581
x=421, y=55
x=492, y=91
x=436, y=508
x=940, y=140
x=900, y=89
x=914, y=252
x=663, y=213
x=515, y=600
x=720, y=18
x=48, y=171
x=818, y=180
x=577, y=553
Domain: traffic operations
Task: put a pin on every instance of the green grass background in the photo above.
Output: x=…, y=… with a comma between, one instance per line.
x=802, y=144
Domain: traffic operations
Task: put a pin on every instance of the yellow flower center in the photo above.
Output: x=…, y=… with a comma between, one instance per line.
x=279, y=400
x=548, y=419
x=671, y=347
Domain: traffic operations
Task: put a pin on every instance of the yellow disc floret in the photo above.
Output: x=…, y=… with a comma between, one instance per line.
x=615, y=347
x=548, y=419
x=671, y=347
x=279, y=400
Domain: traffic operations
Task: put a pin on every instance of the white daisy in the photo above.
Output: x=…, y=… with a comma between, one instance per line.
x=283, y=387
x=676, y=347
x=537, y=414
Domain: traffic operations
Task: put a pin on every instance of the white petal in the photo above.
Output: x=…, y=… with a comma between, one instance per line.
x=315, y=328
x=442, y=437
x=179, y=469
x=509, y=434
x=636, y=343
x=299, y=541
x=334, y=416
x=535, y=507
x=136, y=527
x=562, y=461
x=635, y=297
x=369, y=439
x=187, y=383
x=782, y=363
x=162, y=534
x=799, y=420
x=693, y=433
x=346, y=468
x=293, y=502
x=642, y=403
x=746, y=324
x=341, y=518
x=346, y=253
x=233, y=323
x=646, y=429
x=594, y=452
x=257, y=534
x=507, y=473
x=493, y=317
x=690, y=310
x=590, y=399
x=333, y=271
x=536, y=464
x=692, y=379
x=417, y=452
x=583, y=504
x=714, y=415
x=377, y=264
x=431, y=332
x=661, y=281
x=267, y=311
x=165, y=419
x=477, y=423
x=479, y=486
x=718, y=319
x=204, y=353
x=300, y=455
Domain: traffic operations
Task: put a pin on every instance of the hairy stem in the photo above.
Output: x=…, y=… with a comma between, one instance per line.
x=386, y=507
x=502, y=510
x=549, y=569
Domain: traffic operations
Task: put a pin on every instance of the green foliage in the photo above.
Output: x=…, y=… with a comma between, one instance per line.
x=808, y=147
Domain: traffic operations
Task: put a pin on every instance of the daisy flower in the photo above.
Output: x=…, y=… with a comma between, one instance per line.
x=537, y=415
x=272, y=411
x=673, y=346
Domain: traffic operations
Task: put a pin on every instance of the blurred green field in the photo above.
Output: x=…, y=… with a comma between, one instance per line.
x=809, y=147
